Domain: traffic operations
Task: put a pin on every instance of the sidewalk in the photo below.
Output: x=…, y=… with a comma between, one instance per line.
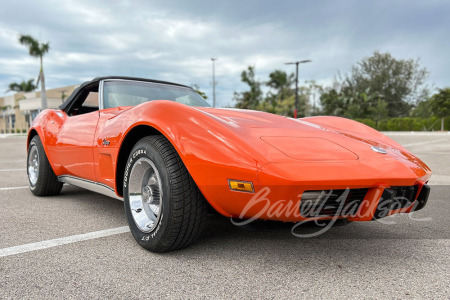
x=391, y=133
x=5, y=135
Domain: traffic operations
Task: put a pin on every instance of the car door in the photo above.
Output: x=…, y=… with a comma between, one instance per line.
x=72, y=148
x=107, y=141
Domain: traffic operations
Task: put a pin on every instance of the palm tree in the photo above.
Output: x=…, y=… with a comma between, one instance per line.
x=38, y=50
x=24, y=86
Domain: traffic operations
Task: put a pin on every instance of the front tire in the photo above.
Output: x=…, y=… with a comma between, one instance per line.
x=165, y=209
x=41, y=178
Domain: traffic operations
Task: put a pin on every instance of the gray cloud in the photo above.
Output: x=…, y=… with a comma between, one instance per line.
x=173, y=40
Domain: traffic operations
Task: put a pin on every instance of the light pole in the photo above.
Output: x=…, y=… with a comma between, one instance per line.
x=214, y=81
x=296, y=81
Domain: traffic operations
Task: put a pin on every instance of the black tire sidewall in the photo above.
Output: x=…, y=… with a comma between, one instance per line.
x=154, y=239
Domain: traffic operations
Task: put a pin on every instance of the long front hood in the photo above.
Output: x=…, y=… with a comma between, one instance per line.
x=284, y=140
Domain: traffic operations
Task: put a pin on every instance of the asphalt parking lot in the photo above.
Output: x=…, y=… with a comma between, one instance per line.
x=407, y=258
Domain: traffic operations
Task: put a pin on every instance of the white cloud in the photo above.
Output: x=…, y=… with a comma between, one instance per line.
x=174, y=40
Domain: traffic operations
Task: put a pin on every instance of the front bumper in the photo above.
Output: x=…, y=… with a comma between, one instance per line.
x=278, y=189
x=359, y=204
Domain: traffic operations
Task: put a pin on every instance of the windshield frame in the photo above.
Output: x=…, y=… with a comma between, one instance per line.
x=102, y=87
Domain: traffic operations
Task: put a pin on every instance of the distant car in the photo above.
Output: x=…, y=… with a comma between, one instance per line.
x=161, y=148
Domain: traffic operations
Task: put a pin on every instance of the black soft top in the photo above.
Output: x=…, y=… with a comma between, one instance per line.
x=98, y=79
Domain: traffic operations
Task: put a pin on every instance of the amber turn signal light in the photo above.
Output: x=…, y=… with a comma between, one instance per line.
x=241, y=186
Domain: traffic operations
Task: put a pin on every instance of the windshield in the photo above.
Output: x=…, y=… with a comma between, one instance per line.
x=132, y=93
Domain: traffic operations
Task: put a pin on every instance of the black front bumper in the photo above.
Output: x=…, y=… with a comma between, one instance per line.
x=398, y=197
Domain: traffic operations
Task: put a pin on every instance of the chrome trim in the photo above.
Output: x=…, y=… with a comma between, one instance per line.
x=145, y=195
x=100, y=95
x=33, y=165
x=89, y=185
x=149, y=82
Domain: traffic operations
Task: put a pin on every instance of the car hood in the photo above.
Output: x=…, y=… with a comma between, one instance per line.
x=308, y=139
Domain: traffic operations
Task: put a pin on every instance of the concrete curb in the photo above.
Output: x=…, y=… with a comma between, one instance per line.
x=5, y=135
x=432, y=133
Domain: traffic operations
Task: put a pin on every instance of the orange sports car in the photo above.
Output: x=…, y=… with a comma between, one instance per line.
x=172, y=158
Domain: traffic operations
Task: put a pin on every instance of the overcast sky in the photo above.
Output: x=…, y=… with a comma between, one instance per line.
x=174, y=40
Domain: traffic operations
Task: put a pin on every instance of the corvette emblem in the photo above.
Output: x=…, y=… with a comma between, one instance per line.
x=379, y=150
x=105, y=142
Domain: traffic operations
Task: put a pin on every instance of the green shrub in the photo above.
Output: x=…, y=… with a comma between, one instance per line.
x=408, y=124
x=368, y=122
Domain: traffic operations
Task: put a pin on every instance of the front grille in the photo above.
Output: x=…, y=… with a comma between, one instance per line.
x=331, y=202
x=404, y=195
x=395, y=197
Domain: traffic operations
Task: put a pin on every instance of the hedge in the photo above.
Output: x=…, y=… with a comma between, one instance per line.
x=408, y=124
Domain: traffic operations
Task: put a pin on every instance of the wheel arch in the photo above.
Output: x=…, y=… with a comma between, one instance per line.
x=37, y=131
x=128, y=142
x=31, y=134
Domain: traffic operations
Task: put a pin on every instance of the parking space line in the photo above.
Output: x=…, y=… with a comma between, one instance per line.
x=9, y=170
x=62, y=241
x=14, y=188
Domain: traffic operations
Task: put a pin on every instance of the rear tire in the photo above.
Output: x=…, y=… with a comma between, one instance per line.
x=41, y=178
x=164, y=207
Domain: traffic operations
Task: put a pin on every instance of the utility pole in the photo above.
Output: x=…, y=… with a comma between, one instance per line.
x=214, y=81
x=296, y=81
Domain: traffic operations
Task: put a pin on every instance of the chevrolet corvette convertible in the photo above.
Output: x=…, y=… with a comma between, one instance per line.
x=171, y=158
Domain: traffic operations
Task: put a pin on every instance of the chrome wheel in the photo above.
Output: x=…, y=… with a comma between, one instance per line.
x=33, y=165
x=145, y=194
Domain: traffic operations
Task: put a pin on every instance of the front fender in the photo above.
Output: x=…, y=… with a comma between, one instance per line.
x=212, y=152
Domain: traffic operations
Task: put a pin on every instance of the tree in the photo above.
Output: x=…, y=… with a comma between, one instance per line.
x=332, y=103
x=280, y=89
x=440, y=104
x=38, y=50
x=399, y=82
x=249, y=99
x=379, y=111
x=285, y=106
x=24, y=86
x=197, y=89
x=305, y=94
x=281, y=82
x=422, y=110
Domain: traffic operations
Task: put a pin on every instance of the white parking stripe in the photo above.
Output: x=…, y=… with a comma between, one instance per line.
x=13, y=188
x=62, y=241
x=439, y=180
x=425, y=142
x=9, y=170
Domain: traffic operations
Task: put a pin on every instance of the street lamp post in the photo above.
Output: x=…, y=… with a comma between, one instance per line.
x=296, y=81
x=214, y=81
